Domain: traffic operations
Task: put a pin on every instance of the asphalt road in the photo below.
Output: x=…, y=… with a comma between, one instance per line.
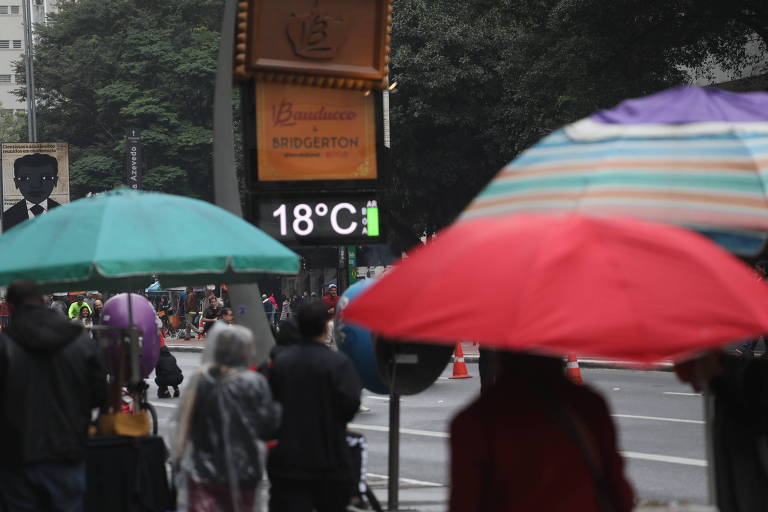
x=660, y=426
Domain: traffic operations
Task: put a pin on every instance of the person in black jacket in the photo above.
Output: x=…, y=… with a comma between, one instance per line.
x=310, y=469
x=51, y=377
x=167, y=374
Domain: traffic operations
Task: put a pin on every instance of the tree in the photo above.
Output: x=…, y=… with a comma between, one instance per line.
x=104, y=67
x=12, y=126
x=481, y=80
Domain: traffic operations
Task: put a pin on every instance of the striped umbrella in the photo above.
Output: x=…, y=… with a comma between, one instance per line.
x=688, y=156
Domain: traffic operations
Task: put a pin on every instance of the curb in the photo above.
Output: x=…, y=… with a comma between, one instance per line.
x=605, y=364
x=473, y=359
x=184, y=348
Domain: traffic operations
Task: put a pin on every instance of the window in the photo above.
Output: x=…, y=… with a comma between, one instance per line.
x=17, y=44
x=5, y=79
x=3, y=9
x=4, y=44
x=15, y=9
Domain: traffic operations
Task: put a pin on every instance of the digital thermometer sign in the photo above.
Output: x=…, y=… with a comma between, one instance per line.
x=321, y=221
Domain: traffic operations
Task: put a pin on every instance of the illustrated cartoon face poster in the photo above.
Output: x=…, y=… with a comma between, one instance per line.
x=35, y=178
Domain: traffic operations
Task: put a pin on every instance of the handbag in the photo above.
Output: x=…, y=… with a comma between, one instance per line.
x=122, y=424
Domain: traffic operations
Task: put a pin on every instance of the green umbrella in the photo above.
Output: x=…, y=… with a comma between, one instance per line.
x=116, y=240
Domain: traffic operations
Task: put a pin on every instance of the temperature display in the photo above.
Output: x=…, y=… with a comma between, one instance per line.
x=335, y=222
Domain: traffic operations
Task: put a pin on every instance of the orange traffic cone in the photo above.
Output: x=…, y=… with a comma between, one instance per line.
x=459, y=366
x=573, y=372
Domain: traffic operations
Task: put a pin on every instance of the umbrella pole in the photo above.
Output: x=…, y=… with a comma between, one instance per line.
x=393, y=497
x=134, y=343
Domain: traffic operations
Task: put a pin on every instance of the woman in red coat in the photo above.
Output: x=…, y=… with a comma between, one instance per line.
x=536, y=441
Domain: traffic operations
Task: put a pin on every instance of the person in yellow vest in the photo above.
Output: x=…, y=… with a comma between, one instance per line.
x=75, y=307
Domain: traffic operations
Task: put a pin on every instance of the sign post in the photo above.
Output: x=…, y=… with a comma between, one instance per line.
x=133, y=150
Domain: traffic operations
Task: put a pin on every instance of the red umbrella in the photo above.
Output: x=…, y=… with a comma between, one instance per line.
x=611, y=287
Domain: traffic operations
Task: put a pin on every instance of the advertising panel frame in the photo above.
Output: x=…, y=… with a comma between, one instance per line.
x=12, y=200
x=292, y=191
x=312, y=42
x=315, y=139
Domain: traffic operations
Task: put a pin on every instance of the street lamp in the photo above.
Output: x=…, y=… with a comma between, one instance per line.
x=30, y=71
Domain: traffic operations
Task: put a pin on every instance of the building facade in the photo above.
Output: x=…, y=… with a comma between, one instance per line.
x=12, y=45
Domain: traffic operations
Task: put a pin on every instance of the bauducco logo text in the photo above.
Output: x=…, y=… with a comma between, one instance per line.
x=284, y=115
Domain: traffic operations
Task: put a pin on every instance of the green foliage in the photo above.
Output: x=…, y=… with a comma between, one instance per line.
x=105, y=67
x=13, y=127
x=94, y=174
x=481, y=80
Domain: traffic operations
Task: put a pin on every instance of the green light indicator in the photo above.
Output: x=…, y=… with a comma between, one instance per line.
x=372, y=213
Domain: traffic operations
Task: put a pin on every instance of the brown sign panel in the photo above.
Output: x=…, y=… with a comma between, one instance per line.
x=338, y=38
x=309, y=133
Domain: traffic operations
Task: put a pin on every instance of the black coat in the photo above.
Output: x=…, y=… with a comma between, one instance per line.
x=51, y=376
x=740, y=432
x=167, y=372
x=320, y=393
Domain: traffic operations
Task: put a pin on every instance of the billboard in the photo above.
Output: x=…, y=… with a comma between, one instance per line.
x=327, y=43
x=313, y=134
x=35, y=178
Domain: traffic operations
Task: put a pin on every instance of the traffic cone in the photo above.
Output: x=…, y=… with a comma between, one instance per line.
x=459, y=366
x=573, y=372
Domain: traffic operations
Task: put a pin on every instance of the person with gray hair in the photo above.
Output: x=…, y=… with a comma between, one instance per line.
x=223, y=420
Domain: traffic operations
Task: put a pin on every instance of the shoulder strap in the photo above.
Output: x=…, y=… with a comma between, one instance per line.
x=577, y=431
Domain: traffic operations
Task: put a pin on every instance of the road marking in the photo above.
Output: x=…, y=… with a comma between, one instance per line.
x=685, y=461
x=408, y=481
x=444, y=435
x=657, y=418
x=379, y=398
x=168, y=406
x=381, y=428
x=681, y=394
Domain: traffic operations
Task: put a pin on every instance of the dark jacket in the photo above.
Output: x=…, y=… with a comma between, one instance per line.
x=320, y=393
x=51, y=376
x=167, y=372
x=740, y=430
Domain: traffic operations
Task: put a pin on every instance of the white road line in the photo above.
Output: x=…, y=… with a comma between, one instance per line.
x=168, y=406
x=657, y=418
x=629, y=455
x=665, y=458
x=379, y=398
x=381, y=428
x=408, y=481
x=681, y=394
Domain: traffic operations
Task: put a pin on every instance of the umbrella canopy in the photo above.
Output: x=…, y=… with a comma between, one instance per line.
x=688, y=156
x=612, y=287
x=116, y=240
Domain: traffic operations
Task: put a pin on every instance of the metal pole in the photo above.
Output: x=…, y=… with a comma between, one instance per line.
x=709, y=425
x=245, y=298
x=30, y=71
x=393, y=497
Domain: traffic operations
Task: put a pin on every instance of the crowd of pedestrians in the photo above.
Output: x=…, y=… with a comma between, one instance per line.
x=234, y=423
